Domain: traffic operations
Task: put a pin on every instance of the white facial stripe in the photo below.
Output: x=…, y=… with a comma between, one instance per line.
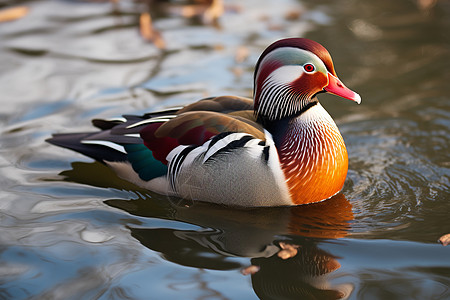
x=294, y=57
x=286, y=74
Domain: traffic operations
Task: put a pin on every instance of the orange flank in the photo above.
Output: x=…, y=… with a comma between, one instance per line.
x=318, y=171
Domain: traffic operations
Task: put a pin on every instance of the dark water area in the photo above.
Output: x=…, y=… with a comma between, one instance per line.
x=70, y=229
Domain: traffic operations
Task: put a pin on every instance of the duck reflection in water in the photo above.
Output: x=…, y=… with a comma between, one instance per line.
x=282, y=243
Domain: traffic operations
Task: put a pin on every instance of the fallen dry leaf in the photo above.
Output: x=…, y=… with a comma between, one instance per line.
x=250, y=270
x=241, y=54
x=426, y=4
x=189, y=11
x=237, y=71
x=288, y=250
x=148, y=32
x=445, y=239
x=214, y=11
x=13, y=13
x=293, y=15
x=209, y=11
x=275, y=27
x=218, y=47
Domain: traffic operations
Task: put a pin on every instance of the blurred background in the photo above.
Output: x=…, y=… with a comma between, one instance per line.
x=70, y=229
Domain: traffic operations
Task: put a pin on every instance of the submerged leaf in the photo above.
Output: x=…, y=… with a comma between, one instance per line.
x=214, y=11
x=210, y=11
x=250, y=270
x=148, y=32
x=13, y=13
x=288, y=250
x=445, y=239
x=426, y=4
x=242, y=53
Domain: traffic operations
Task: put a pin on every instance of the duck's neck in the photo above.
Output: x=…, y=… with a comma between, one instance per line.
x=312, y=154
x=279, y=128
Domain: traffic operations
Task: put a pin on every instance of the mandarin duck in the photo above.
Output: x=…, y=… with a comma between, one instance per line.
x=280, y=149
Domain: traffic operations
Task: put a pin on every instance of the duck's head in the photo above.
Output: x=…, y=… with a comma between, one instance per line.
x=288, y=76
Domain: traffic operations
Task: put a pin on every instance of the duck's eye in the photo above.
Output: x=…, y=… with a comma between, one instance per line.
x=309, y=68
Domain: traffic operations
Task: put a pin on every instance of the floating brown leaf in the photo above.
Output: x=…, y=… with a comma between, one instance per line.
x=148, y=32
x=293, y=14
x=288, y=251
x=445, y=239
x=209, y=10
x=237, y=71
x=426, y=4
x=242, y=54
x=250, y=270
x=13, y=13
x=214, y=11
x=189, y=11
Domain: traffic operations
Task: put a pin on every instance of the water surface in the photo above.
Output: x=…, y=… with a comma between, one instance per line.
x=71, y=229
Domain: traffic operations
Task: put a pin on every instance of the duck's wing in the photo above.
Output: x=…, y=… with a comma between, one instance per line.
x=120, y=139
x=195, y=128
